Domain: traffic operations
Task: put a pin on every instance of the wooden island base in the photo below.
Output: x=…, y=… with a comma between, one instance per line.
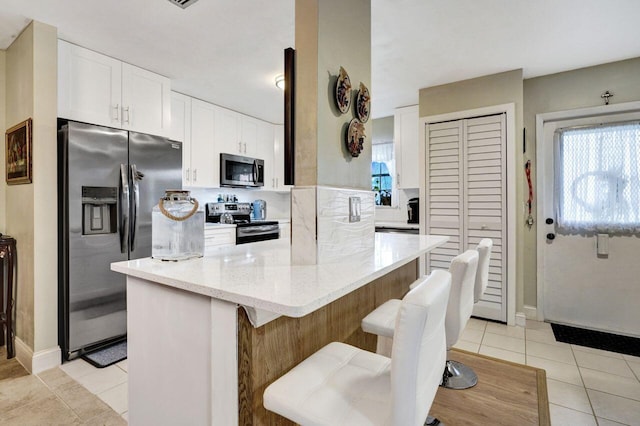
x=267, y=352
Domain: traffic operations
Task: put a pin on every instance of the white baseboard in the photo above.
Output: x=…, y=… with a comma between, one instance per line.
x=46, y=359
x=521, y=320
x=531, y=312
x=24, y=354
x=37, y=362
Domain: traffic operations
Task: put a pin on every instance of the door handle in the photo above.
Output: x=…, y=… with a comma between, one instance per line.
x=116, y=109
x=124, y=208
x=135, y=177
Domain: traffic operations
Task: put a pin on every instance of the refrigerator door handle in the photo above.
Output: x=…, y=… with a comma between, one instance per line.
x=135, y=177
x=124, y=208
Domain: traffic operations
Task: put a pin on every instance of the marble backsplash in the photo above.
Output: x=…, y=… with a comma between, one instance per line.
x=320, y=226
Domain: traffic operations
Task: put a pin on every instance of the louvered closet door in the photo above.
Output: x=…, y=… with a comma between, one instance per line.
x=445, y=202
x=466, y=198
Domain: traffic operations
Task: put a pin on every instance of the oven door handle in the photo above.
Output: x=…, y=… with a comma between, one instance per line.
x=258, y=229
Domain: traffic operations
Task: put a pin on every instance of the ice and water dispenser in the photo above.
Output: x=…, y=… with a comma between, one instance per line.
x=99, y=210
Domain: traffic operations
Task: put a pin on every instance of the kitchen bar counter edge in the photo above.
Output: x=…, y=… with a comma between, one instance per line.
x=261, y=275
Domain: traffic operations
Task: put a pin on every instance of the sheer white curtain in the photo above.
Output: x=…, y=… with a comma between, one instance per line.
x=383, y=153
x=596, y=174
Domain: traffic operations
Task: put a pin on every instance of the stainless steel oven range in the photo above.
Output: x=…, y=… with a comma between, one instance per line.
x=247, y=231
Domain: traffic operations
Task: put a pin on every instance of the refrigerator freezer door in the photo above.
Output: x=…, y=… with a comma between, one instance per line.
x=95, y=296
x=156, y=165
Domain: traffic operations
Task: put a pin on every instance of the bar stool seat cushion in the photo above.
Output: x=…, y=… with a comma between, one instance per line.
x=339, y=384
x=382, y=320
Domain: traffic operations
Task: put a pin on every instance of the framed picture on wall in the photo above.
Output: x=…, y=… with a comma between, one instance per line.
x=18, y=153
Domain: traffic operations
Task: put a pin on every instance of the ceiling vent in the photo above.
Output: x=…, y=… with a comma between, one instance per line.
x=183, y=3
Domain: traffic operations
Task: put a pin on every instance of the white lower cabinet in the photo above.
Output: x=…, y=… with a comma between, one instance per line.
x=217, y=237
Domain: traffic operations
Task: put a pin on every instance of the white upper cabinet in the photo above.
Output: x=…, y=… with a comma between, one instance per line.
x=227, y=130
x=146, y=101
x=278, y=159
x=205, y=165
x=264, y=151
x=97, y=89
x=181, y=131
x=405, y=138
x=207, y=130
x=248, y=136
x=89, y=86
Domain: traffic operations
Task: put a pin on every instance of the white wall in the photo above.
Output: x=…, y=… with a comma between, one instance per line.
x=31, y=214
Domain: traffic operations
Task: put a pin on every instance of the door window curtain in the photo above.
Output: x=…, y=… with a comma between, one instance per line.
x=596, y=174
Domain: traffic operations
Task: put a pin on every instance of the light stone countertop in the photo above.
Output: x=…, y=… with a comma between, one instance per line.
x=261, y=276
x=211, y=225
x=402, y=225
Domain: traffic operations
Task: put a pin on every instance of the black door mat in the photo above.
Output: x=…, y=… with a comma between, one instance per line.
x=107, y=356
x=597, y=339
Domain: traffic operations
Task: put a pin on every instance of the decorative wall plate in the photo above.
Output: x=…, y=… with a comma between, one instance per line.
x=363, y=103
x=355, y=137
x=343, y=91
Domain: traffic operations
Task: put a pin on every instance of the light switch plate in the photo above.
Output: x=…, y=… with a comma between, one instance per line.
x=354, y=209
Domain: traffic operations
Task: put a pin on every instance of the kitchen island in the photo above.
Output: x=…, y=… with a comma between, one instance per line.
x=195, y=357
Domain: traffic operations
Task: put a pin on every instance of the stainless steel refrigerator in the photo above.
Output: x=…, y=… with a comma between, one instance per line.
x=109, y=180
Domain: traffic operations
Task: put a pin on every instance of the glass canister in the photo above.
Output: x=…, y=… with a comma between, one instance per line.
x=177, y=227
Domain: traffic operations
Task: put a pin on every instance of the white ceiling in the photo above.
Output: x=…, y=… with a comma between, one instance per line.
x=229, y=51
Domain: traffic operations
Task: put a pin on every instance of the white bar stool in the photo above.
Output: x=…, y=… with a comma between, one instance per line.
x=463, y=271
x=343, y=385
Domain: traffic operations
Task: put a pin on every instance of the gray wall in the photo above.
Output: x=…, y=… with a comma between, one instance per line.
x=343, y=38
x=382, y=130
x=565, y=91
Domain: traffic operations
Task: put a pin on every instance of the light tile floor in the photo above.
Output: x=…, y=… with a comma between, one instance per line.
x=109, y=383
x=586, y=386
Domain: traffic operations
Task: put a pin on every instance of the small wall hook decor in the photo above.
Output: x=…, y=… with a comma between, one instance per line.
x=606, y=95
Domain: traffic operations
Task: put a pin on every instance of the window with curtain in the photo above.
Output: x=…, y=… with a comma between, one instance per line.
x=597, y=186
x=382, y=170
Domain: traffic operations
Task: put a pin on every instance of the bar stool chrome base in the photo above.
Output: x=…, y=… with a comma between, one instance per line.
x=458, y=376
x=432, y=421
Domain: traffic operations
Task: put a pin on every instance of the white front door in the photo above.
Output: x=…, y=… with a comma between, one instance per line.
x=576, y=285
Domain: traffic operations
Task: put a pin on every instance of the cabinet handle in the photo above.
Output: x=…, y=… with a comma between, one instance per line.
x=397, y=179
x=240, y=147
x=245, y=148
x=125, y=109
x=186, y=174
x=195, y=175
x=277, y=184
x=116, y=109
x=273, y=183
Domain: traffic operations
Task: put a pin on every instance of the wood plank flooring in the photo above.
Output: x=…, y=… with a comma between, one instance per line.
x=506, y=394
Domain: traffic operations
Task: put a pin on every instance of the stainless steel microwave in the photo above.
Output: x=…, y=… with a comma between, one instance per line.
x=238, y=171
